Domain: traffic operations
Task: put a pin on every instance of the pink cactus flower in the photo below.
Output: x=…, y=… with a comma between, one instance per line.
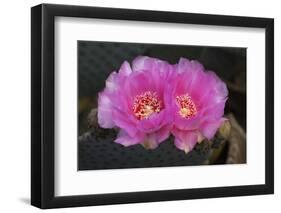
x=137, y=101
x=153, y=99
x=198, y=101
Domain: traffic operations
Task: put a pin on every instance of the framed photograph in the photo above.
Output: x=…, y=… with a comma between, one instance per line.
x=139, y=106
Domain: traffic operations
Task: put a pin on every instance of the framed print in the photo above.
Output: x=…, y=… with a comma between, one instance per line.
x=139, y=106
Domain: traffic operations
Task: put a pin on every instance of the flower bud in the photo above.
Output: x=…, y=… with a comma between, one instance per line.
x=225, y=129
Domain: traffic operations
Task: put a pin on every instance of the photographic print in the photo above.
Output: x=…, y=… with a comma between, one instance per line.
x=134, y=95
x=159, y=105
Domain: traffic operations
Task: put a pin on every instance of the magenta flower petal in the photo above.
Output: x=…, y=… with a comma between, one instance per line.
x=209, y=129
x=140, y=63
x=185, y=140
x=199, y=98
x=153, y=123
x=137, y=101
x=105, y=111
x=105, y=101
x=187, y=124
x=126, y=140
x=124, y=122
x=146, y=63
x=154, y=139
x=112, y=82
x=163, y=133
x=125, y=69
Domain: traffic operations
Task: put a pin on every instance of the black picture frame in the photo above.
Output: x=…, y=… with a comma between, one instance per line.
x=43, y=117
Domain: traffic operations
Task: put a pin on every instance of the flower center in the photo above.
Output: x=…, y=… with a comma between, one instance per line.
x=145, y=104
x=187, y=107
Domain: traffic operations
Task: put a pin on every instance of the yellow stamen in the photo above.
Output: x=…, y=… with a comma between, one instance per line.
x=187, y=107
x=146, y=104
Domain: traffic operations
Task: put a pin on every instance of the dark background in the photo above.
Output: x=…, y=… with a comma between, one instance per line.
x=96, y=60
